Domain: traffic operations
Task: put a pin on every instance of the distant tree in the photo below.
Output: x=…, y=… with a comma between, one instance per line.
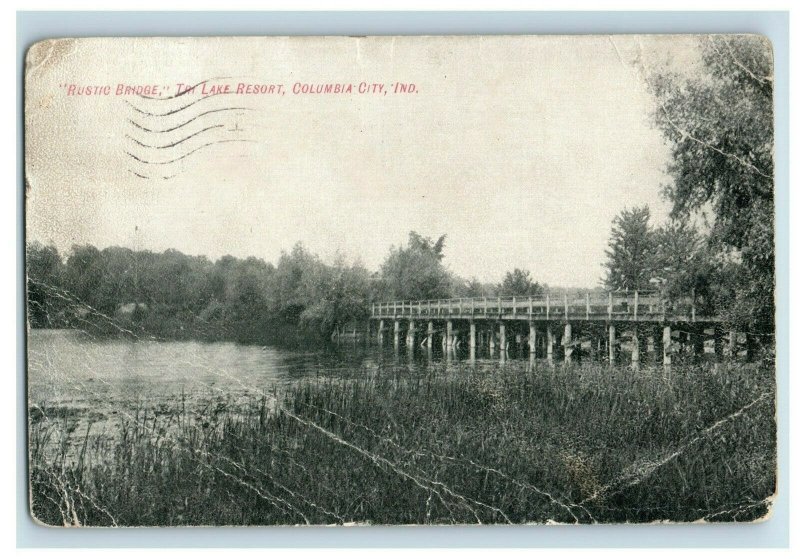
x=247, y=307
x=119, y=276
x=293, y=283
x=519, y=283
x=472, y=288
x=719, y=122
x=83, y=278
x=682, y=265
x=629, y=254
x=341, y=296
x=45, y=276
x=416, y=271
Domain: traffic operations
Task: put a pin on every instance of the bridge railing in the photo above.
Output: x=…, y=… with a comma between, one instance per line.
x=623, y=305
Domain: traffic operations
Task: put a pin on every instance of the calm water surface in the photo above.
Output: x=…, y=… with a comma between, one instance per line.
x=69, y=367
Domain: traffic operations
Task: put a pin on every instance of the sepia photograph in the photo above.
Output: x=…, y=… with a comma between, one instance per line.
x=400, y=280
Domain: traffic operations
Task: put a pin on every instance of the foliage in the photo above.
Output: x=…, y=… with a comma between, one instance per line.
x=416, y=271
x=44, y=264
x=341, y=296
x=472, y=287
x=719, y=122
x=630, y=251
x=173, y=295
x=519, y=282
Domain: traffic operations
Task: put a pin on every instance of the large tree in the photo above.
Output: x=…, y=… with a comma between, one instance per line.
x=341, y=297
x=630, y=251
x=416, y=271
x=718, y=120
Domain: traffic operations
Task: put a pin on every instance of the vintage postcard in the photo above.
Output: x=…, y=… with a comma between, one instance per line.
x=400, y=280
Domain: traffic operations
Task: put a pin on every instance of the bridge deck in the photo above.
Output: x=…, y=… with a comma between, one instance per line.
x=609, y=306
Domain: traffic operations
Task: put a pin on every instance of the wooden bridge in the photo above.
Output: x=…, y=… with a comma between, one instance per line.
x=547, y=324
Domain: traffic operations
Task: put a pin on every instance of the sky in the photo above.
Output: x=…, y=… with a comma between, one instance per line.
x=520, y=149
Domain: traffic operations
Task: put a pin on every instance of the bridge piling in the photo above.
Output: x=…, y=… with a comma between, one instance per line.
x=410, y=336
x=667, y=345
x=658, y=344
x=430, y=335
x=396, y=333
x=472, y=341
x=612, y=343
x=449, y=338
x=532, y=339
x=503, y=344
x=550, y=340
x=698, y=342
x=568, y=343
x=381, y=329
x=718, y=343
x=635, y=348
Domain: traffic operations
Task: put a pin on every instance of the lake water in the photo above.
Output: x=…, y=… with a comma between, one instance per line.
x=69, y=368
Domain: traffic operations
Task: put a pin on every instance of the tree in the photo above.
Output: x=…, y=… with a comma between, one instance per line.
x=45, y=271
x=340, y=296
x=519, y=282
x=83, y=278
x=629, y=253
x=472, y=288
x=683, y=265
x=293, y=284
x=416, y=271
x=719, y=123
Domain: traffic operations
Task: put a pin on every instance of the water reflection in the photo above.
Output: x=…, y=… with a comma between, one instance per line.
x=66, y=366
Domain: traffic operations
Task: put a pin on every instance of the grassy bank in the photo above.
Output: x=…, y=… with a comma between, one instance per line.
x=588, y=444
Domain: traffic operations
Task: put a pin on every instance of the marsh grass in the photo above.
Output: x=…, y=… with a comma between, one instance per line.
x=583, y=444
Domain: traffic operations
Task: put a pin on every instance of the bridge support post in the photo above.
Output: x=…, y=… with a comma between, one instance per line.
x=636, y=347
x=410, y=336
x=532, y=339
x=698, y=342
x=502, y=337
x=658, y=344
x=683, y=339
x=550, y=340
x=718, y=343
x=491, y=340
x=430, y=334
x=568, y=342
x=396, y=333
x=449, y=342
x=612, y=343
x=667, y=345
x=733, y=342
x=381, y=329
x=472, y=340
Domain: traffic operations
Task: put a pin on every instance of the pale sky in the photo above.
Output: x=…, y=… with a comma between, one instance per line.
x=520, y=149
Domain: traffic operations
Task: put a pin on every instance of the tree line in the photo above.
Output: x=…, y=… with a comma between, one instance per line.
x=175, y=295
